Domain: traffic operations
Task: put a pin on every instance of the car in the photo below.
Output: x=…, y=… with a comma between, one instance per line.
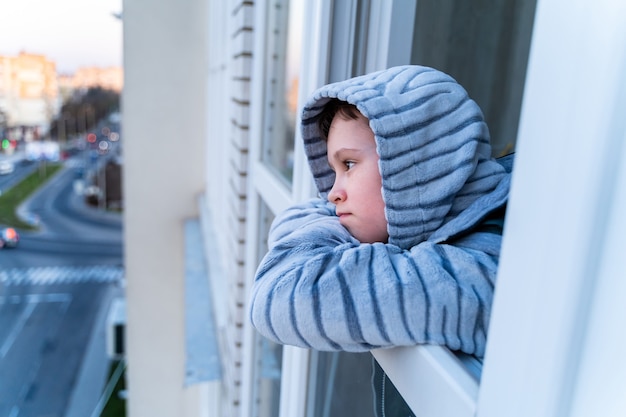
x=9, y=237
x=6, y=167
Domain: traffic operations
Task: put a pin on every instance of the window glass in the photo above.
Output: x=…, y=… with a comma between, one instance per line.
x=340, y=384
x=268, y=395
x=352, y=384
x=484, y=46
x=269, y=356
x=284, y=36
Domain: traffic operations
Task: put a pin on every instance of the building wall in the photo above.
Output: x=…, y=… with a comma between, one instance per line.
x=110, y=78
x=164, y=110
x=28, y=90
x=231, y=56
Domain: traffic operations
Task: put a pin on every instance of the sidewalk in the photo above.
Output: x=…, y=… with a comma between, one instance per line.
x=94, y=369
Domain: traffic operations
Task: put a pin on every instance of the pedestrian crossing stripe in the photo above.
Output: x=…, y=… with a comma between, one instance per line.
x=61, y=275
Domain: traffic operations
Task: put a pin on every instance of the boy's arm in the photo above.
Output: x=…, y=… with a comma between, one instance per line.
x=319, y=288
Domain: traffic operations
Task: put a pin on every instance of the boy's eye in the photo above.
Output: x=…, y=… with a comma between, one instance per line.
x=349, y=164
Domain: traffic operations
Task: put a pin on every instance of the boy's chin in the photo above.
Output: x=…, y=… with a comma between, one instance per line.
x=369, y=238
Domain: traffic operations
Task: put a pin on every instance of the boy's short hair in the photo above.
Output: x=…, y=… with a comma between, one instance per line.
x=335, y=106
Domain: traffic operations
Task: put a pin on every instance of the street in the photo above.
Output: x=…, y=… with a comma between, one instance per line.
x=55, y=288
x=22, y=169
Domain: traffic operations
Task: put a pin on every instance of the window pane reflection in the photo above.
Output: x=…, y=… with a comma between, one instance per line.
x=270, y=359
x=340, y=384
x=281, y=92
x=352, y=384
x=485, y=47
x=269, y=356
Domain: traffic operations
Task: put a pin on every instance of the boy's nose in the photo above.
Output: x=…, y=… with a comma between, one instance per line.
x=336, y=194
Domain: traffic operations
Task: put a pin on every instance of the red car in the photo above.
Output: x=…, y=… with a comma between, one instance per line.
x=9, y=238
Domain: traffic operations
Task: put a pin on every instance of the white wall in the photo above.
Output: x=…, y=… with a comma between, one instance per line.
x=560, y=276
x=163, y=107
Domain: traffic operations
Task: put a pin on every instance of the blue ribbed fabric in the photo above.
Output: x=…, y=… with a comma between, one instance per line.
x=433, y=282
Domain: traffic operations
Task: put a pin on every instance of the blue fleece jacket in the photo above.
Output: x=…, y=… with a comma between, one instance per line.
x=433, y=282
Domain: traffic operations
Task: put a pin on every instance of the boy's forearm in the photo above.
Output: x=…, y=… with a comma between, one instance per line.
x=333, y=294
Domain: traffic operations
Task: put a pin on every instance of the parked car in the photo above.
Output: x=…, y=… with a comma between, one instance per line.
x=6, y=167
x=9, y=238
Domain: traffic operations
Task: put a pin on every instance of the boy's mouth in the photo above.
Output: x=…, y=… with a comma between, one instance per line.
x=344, y=219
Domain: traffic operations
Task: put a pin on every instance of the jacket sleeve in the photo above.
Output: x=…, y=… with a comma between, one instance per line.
x=320, y=288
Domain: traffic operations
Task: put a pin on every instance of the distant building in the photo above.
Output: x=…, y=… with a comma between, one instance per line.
x=29, y=96
x=110, y=78
x=32, y=93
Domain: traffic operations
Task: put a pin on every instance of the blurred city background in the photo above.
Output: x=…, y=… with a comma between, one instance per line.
x=61, y=199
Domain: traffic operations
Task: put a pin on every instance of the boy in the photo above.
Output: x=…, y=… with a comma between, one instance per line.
x=402, y=247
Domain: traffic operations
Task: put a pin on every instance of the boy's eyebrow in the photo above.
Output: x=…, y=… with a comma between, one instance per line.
x=339, y=151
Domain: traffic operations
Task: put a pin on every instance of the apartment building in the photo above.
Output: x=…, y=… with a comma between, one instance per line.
x=109, y=78
x=28, y=91
x=31, y=91
x=213, y=153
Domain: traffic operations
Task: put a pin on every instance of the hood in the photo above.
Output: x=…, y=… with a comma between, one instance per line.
x=432, y=140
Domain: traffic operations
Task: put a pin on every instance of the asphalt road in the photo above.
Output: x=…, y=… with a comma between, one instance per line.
x=55, y=288
x=22, y=169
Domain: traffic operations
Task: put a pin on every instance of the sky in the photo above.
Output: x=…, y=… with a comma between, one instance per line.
x=72, y=33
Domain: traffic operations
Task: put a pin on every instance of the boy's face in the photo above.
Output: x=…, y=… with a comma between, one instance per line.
x=357, y=188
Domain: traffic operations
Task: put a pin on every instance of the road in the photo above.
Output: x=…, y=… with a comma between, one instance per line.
x=22, y=169
x=55, y=289
x=70, y=232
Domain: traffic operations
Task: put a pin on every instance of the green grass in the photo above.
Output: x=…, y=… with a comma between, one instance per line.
x=115, y=406
x=12, y=198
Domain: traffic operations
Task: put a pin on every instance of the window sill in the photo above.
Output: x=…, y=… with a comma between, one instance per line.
x=202, y=353
x=439, y=382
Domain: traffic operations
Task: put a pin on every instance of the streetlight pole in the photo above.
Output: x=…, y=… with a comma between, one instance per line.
x=61, y=127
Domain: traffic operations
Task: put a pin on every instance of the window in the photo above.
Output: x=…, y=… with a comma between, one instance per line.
x=459, y=39
x=484, y=46
x=340, y=384
x=273, y=163
x=344, y=39
x=268, y=355
x=281, y=91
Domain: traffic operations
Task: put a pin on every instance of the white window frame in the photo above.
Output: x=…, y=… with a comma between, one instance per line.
x=382, y=39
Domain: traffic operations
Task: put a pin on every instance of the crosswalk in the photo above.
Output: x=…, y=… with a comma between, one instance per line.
x=61, y=275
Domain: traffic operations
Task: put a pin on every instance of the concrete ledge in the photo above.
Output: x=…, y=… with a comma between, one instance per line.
x=203, y=359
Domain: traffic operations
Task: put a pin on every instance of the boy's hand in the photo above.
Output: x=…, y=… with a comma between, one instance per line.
x=313, y=222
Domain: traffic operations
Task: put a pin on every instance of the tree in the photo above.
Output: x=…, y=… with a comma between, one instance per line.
x=82, y=112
